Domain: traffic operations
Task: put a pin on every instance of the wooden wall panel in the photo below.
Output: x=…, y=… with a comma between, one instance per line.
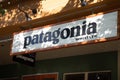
x=41, y=77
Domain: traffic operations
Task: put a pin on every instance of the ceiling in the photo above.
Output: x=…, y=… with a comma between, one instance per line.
x=5, y=48
x=7, y=3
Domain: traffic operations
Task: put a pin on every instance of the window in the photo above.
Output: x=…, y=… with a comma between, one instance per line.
x=76, y=76
x=97, y=75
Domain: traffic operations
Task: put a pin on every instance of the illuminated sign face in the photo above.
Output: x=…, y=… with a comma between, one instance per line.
x=67, y=33
x=71, y=33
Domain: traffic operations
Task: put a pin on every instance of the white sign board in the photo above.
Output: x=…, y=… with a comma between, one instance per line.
x=89, y=29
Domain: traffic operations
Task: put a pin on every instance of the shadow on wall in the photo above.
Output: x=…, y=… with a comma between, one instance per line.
x=44, y=8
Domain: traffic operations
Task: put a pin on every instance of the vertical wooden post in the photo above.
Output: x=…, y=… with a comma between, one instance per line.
x=119, y=45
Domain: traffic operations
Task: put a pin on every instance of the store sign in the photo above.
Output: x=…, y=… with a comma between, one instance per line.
x=75, y=32
x=27, y=59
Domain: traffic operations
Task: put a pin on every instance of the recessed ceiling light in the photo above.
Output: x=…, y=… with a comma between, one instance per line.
x=8, y=2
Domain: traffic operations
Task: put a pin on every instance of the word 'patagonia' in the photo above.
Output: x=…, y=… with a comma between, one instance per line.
x=54, y=36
